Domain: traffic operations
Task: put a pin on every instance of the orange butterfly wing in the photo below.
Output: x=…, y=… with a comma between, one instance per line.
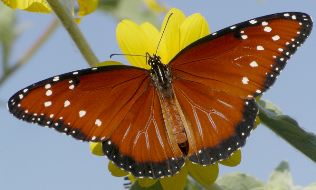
x=217, y=77
x=116, y=105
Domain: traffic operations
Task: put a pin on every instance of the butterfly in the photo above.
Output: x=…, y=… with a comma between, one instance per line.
x=199, y=107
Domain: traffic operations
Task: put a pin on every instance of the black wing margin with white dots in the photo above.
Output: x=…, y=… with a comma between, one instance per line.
x=234, y=65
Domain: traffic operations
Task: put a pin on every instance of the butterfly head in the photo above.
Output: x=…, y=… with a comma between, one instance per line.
x=159, y=72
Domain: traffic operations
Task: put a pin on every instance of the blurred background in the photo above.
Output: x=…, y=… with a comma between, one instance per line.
x=32, y=157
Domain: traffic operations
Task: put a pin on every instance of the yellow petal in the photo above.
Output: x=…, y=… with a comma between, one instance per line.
x=192, y=29
x=152, y=36
x=96, y=148
x=146, y=182
x=133, y=40
x=40, y=6
x=131, y=177
x=87, y=6
x=177, y=181
x=233, y=160
x=170, y=43
x=205, y=175
x=155, y=6
x=116, y=171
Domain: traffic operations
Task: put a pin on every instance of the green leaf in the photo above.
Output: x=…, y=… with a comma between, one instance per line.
x=7, y=33
x=131, y=9
x=281, y=178
x=192, y=185
x=288, y=129
x=237, y=181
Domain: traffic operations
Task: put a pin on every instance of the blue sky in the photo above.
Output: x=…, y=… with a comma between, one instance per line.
x=38, y=158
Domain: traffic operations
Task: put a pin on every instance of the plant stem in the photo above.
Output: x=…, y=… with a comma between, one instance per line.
x=73, y=30
x=31, y=51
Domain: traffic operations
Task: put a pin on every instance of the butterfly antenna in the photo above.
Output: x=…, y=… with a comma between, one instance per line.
x=115, y=54
x=163, y=32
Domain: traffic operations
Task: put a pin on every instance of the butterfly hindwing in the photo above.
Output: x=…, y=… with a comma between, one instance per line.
x=141, y=142
x=219, y=123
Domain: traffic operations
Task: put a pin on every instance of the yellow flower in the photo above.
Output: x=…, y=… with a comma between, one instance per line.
x=205, y=175
x=140, y=39
x=41, y=6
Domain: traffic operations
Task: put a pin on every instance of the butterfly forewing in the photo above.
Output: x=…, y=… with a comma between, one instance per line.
x=217, y=77
x=84, y=104
x=244, y=59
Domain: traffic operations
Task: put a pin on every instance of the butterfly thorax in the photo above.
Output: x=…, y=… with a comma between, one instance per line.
x=160, y=75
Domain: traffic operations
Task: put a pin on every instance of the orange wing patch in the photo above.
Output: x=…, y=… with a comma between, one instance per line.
x=218, y=122
x=141, y=144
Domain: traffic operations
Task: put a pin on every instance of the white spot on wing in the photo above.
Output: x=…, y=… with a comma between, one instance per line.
x=264, y=23
x=98, y=122
x=253, y=64
x=55, y=79
x=267, y=29
x=47, y=104
x=276, y=37
x=66, y=103
x=82, y=113
x=49, y=93
x=48, y=86
x=245, y=80
x=244, y=36
x=260, y=48
x=253, y=21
